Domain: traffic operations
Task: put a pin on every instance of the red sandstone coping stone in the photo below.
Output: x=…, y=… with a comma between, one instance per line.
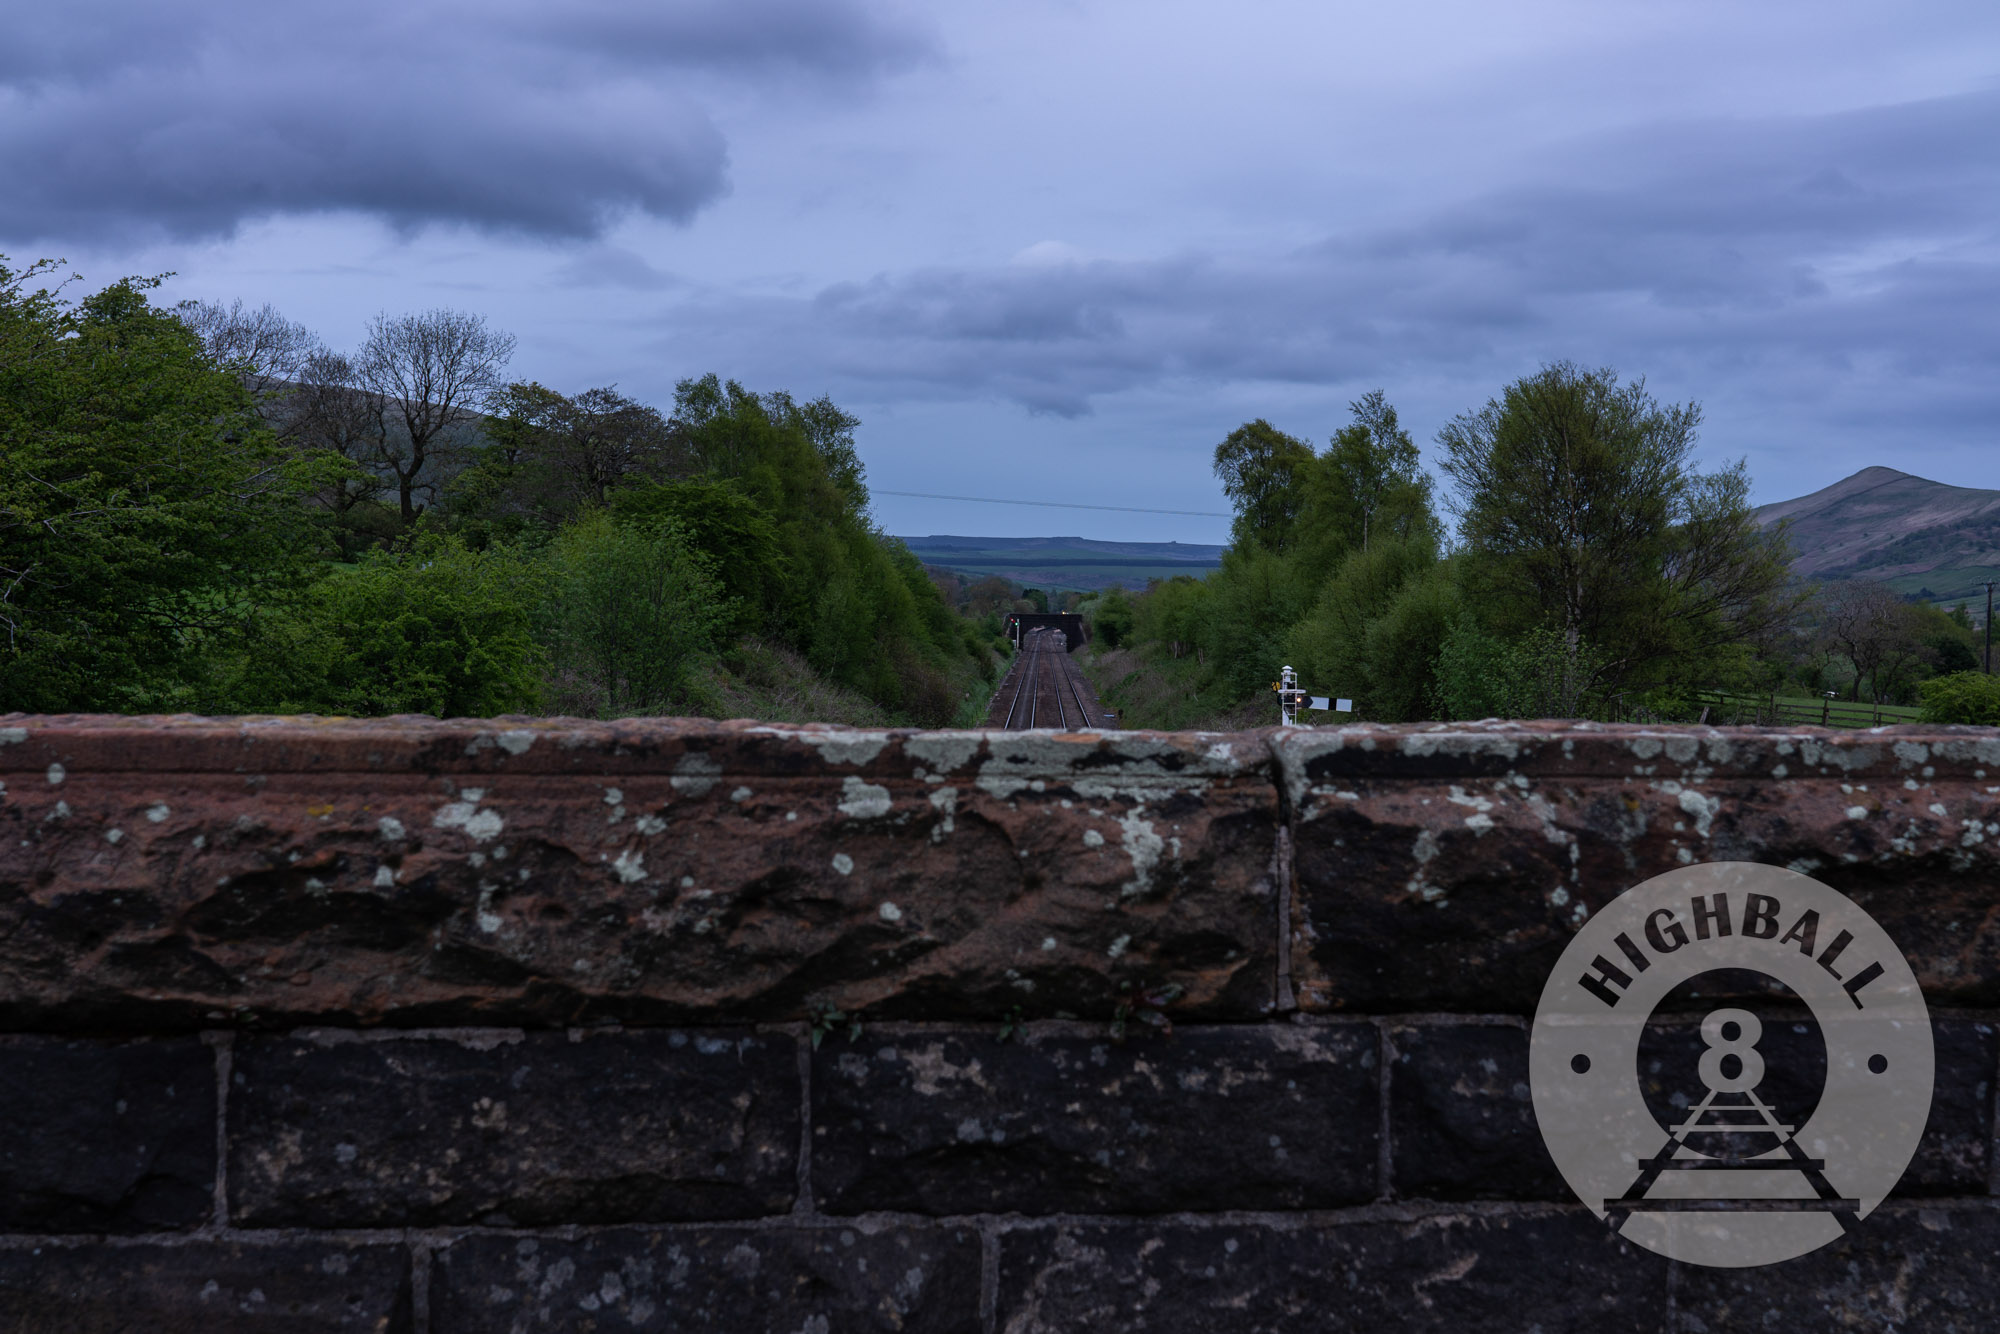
x=191, y=872
x=1444, y=868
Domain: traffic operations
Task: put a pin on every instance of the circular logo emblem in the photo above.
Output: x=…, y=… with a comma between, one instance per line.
x=1731, y=1064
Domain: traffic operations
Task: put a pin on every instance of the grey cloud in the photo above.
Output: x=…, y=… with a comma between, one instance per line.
x=1860, y=243
x=189, y=118
x=840, y=38
x=613, y=266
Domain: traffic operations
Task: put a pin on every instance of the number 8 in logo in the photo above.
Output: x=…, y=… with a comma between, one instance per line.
x=1731, y=1035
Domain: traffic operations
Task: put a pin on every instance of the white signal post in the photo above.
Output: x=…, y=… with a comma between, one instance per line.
x=1291, y=699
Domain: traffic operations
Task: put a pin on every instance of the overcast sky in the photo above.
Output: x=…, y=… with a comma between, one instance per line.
x=1058, y=250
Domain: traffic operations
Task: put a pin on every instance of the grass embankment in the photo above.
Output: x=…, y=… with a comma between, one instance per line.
x=1155, y=691
x=771, y=683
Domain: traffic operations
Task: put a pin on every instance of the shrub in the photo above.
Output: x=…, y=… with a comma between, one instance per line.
x=439, y=629
x=631, y=614
x=1962, y=697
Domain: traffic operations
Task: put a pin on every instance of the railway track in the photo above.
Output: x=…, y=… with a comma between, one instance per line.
x=1044, y=689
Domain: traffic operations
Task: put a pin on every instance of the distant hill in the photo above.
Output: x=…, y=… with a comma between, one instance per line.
x=1913, y=534
x=1066, y=562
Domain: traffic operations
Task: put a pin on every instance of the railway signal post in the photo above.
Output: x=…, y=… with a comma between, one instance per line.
x=1291, y=699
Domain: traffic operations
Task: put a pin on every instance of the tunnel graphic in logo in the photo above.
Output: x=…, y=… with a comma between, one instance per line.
x=1731, y=1064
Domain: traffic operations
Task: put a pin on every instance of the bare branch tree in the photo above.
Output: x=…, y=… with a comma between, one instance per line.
x=1875, y=630
x=332, y=415
x=264, y=347
x=432, y=371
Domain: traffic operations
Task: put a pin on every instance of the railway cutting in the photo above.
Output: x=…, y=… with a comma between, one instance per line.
x=1045, y=689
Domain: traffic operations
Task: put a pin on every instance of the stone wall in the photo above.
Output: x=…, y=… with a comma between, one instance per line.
x=550, y=1025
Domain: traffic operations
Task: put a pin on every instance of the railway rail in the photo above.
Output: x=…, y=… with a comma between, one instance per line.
x=1044, y=689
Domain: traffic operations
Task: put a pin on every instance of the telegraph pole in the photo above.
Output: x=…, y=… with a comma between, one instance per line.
x=1989, y=627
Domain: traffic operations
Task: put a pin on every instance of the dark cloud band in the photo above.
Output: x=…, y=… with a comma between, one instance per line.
x=189, y=118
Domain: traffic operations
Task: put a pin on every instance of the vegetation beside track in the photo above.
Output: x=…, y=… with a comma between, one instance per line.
x=204, y=509
x=1593, y=571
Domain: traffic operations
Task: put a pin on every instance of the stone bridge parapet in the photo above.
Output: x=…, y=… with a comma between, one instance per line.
x=658, y=1024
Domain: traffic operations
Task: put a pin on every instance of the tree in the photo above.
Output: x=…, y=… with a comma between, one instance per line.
x=1581, y=511
x=266, y=349
x=631, y=612
x=857, y=604
x=731, y=430
x=339, y=427
x=1890, y=642
x=1111, y=623
x=433, y=371
x=990, y=596
x=1373, y=463
x=1874, y=630
x=1369, y=482
x=1375, y=628
x=146, y=513
x=735, y=537
x=831, y=431
x=1260, y=468
x=553, y=455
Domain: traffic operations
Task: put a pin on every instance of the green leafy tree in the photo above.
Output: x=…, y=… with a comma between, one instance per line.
x=1368, y=484
x=856, y=603
x=146, y=512
x=1261, y=469
x=1252, y=603
x=1171, y=613
x=632, y=611
x=1111, y=621
x=1951, y=652
x=1581, y=511
x=739, y=541
x=1376, y=628
x=1537, y=674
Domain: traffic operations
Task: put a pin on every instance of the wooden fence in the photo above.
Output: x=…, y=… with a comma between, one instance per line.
x=1782, y=711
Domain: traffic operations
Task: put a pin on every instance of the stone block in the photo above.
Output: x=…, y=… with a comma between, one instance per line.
x=106, y=1136
x=1443, y=868
x=914, y=1280
x=1908, y=1268
x=949, y=1121
x=207, y=1287
x=281, y=872
x=510, y=1129
x=1508, y=1273
x=1955, y=1155
x=1461, y=1119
